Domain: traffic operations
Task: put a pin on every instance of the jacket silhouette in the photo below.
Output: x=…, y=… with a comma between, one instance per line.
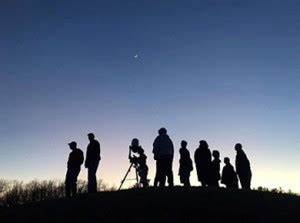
x=142, y=167
x=242, y=166
x=163, y=151
x=229, y=177
x=73, y=169
x=92, y=162
x=185, y=164
x=202, y=158
x=215, y=169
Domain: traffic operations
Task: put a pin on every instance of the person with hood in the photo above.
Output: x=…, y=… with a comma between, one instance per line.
x=140, y=162
x=242, y=166
x=202, y=159
x=215, y=169
x=185, y=164
x=163, y=151
x=74, y=162
x=92, y=161
x=229, y=177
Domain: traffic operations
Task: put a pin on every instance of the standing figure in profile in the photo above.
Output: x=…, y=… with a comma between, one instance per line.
x=215, y=169
x=185, y=164
x=242, y=166
x=74, y=162
x=202, y=158
x=92, y=161
x=229, y=177
x=163, y=151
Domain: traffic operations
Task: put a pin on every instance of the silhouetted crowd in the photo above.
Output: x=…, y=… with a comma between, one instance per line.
x=207, y=165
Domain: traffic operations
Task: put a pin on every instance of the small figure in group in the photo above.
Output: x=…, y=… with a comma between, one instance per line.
x=74, y=162
x=215, y=169
x=185, y=164
x=92, y=161
x=242, y=166
x=163, y=151
x=229, y=177
x=202, y=158
x=142, y=167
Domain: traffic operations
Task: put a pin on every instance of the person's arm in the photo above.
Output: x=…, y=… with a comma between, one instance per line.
x=86, y=163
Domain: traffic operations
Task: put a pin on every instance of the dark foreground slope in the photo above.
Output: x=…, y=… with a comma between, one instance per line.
x=167, y=205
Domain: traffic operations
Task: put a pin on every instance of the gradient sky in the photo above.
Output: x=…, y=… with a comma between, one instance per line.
x=222, y=70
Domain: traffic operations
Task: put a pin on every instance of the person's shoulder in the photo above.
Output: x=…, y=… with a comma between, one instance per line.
x=79, y=150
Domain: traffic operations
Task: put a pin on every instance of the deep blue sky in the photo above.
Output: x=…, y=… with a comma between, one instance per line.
x=222, y=70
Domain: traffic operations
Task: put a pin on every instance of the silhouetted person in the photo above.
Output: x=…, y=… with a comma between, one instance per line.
x=74, y=162
x=92, y=162
x=202, y=158
x=163, y=151
x=215, y=169
x=229, y=177
x=242, y=166
x=185, y=164
x=142, y=167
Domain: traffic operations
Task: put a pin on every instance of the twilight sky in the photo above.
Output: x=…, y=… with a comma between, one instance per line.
x=222, y=70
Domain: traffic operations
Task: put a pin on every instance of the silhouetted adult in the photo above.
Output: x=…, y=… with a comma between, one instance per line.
x=163, y=151
x=242, y=166
x=185, y=164
x=215, y=169
x=202, y=158
x=74, y=162
x=229, y=177
x=92, y=162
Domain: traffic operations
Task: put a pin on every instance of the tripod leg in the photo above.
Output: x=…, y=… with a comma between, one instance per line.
x=122, y=182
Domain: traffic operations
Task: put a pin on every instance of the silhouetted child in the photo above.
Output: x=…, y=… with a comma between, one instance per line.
x=215, y=169
x=142, y=167
x=229, y=177
x=185, y=164
x=74, y=162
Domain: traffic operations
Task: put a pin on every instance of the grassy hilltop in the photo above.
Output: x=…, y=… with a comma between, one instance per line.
x=162, y=205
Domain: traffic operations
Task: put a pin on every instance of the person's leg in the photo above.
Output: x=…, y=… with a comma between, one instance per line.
x=248, y=182
x=75, y=174
x=67, y=184
x=188, y=180
x=161, y=172
x=92, y=179
x=243, y=181
x=169, y=171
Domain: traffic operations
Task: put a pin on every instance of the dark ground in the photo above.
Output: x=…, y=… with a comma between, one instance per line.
x=165, y=205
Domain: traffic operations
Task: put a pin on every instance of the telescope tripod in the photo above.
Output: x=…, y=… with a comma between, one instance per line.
x=128, y=171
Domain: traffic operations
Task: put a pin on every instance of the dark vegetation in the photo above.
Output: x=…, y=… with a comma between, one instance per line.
x=162, y=205
x=14, y=193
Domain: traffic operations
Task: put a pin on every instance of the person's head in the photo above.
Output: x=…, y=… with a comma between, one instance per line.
x=216, y=154
x=73, y=145
x=238, y=147
x=203, y=144
x=134, y=142
x=91, y=136
x=162, y=131
x=226, y=160
x=183, y=144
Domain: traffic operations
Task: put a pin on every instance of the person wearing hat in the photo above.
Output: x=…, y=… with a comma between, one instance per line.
x=92, y=161
x=74, y=162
